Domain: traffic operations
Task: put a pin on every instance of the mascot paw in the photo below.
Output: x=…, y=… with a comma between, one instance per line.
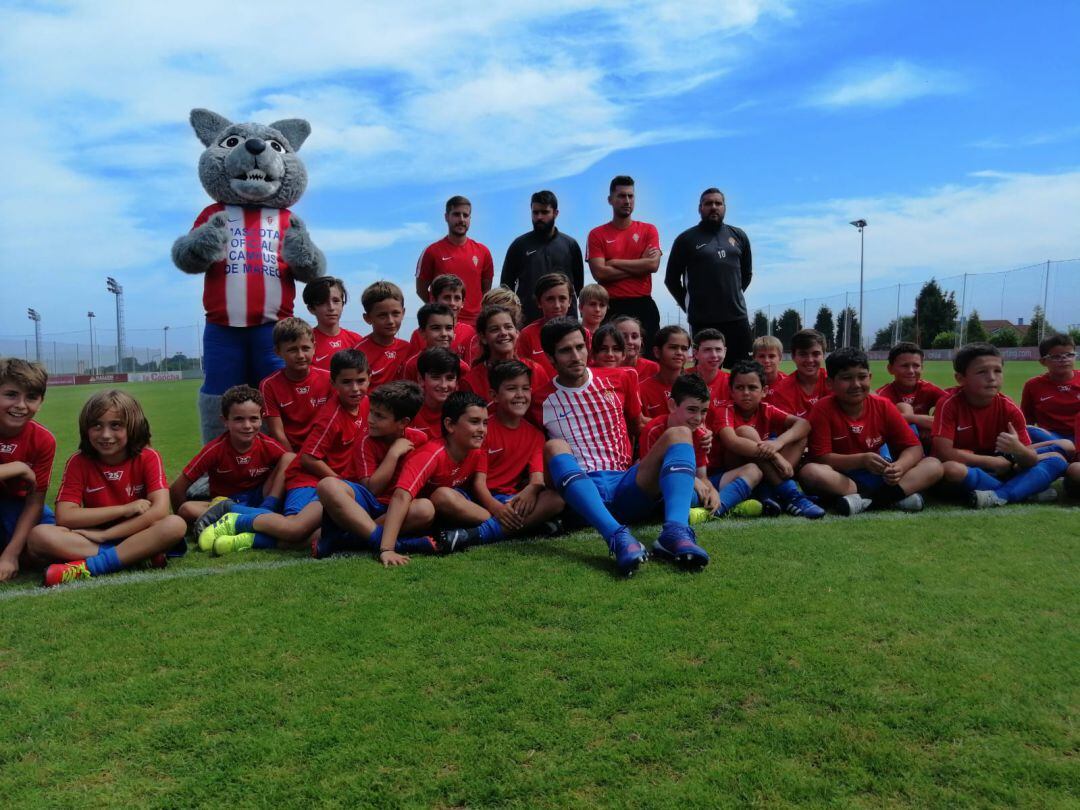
x=197, y=251
x=305, y=260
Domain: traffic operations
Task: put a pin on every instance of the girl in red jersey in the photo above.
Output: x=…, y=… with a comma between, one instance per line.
x=498, y=335
x=113, y=506
x=608, y=347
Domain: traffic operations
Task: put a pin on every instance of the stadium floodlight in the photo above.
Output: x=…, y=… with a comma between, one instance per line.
x=860, y=224
x=165, y=349
x=35, y=316
x=114, y=287
x=90, y=316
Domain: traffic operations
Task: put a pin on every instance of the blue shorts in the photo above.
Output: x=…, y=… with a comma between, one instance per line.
x=626, y=501
x=866, y=482
x=250, y=497
x=10, y=511
x=233, y=355
x=367, y=500
x=1039, y=435
x=296, y=499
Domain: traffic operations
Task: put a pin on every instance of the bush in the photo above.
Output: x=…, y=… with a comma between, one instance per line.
x=1005, y=338
x=943, y=340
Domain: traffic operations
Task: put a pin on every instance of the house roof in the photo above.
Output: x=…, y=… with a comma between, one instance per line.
x=992, y=326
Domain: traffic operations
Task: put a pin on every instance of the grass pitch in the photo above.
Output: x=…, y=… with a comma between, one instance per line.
x=886, y=659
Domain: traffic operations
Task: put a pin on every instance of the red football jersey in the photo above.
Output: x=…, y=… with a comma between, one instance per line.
x=788, y=395
x=592, y=419
x=385, y=363
x=608, y=242
x=923, y=399
x=780, y=376
x=513, y=454
x=429, y=467
x=644, y=367
x=295, y=403
x=720, y=389
x=1052, y=405
x=977, y=429
x=471, y=262
x=429, y=422
x=333, y=440
x=325, y=346
x=411, y=371
x=232, y=471
x=833, y=431
x=654, y=394
x=34, y=446
x=767, y=420
x=372, y=452
x=463, y=345
x=91, y=483
x=477, y=378
x=655, y=429
x=252, y=285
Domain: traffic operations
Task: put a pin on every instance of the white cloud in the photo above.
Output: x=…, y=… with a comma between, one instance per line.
x=885, y=86
x=1041, y=138
x=336, y=240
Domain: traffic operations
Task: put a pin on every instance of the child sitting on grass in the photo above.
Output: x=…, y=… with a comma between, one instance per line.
x=981, y=437
x=325, y=298
x=244, y=465
x=112, y=510
x=861, y=447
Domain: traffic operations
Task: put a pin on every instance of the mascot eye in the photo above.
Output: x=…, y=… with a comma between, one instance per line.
x=277, y=147
x=231, y=141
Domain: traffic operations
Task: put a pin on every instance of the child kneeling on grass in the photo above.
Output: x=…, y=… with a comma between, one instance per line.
x=981, y=437
x=113, y=507
x=244, y=465
x=860, y=446
x=355, y=508
x=327, y=452
x=510, y=497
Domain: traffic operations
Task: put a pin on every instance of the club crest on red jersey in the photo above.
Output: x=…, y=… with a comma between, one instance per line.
x=9, y=448
x=114, y=475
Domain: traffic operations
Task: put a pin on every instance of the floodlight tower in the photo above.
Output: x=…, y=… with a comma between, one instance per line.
x=35, y=316
x=113, y=287
x=860, y=224
x=90, y=317
x=165, y=350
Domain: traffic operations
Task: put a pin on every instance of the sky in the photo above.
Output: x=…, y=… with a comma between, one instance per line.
x=952, y=128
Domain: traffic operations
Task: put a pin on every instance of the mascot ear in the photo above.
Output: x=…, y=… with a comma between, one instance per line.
x=295, y=129
x=207, y=125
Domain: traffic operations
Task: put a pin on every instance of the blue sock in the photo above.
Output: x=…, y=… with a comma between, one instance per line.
x=1025, y=484
x=980, y=479
x=580, y=492
x=414, y=545
x=787, y=491
x=677, y=482
x=270, y=503
x=490, y=531
x=264, y=541
x=376, y=539
x=245, y=522
x=104, y=562
x=732, y=495
x=240, y=509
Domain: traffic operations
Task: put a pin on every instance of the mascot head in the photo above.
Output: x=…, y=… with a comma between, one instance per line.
x=251, y=164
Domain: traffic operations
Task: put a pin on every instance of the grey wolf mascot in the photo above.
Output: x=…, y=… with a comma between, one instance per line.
x=250, y=248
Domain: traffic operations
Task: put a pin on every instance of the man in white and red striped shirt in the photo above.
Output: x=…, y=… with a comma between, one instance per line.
x=589, y=415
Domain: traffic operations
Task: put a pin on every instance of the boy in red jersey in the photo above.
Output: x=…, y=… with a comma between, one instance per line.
x=608, y=348
x=355, y=507
x=1051, y=401
x=748, y=429
x=554, y=295
x=327, y=453
x=861, y=447
x=26, y=457
x=440, y=374
x=913, y=396
x=510, y=497
x=437, y=329
x=1072, y=473
x=798, y=393
x=293, y=395
x=981, y=437
x=672, y=350
x=448, y=290
x=630, y=328
x=244, y=466
x=768, y=351
x=710, y=349
x=325, y=298
x=112, y=510
x=498, y=340
x=593, y=303
x=384, y=309
x=438, y=470
x=458, y=254
x=589, y=416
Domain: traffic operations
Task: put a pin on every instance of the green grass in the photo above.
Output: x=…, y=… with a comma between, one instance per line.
x=884, y=660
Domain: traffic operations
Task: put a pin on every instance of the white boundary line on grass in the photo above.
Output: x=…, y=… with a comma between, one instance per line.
x=724, y=527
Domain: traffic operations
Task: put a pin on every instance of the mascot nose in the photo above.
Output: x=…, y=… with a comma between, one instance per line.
x=255, y=145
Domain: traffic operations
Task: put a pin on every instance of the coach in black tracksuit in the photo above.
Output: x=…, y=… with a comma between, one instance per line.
x=708, y=268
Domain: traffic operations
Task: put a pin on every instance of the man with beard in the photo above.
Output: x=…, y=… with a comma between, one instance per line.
x=456, y=253
x=707, y=272
x=545, y=249
x=623, y=254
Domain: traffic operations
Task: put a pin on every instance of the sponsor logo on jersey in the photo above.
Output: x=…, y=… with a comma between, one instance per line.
x=243, y=459
x=114, y=475
x=95, y=489
x=303, y=389
x=856, y=429
x=9, y=448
